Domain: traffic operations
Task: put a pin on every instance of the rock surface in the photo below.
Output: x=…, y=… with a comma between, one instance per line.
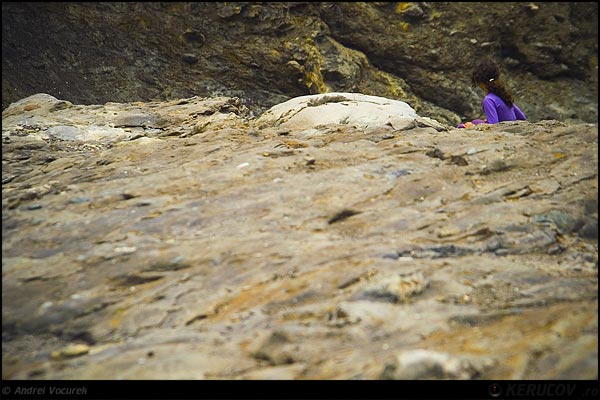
x=185, y=240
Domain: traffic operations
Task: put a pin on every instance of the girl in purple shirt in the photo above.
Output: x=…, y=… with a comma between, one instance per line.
x=498, y=104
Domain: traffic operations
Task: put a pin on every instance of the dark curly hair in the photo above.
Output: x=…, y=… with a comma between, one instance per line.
x=488, y=73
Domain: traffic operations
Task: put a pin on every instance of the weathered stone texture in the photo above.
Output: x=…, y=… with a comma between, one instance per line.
x=212, y=246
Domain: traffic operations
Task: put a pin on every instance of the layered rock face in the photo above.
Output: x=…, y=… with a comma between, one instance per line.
x=187, y=239
x=266, y=53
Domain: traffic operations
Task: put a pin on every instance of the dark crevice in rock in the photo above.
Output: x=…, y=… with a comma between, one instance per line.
x=342, y=215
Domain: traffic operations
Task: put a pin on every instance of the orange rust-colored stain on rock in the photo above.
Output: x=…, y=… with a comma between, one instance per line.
x=515, y=336
x=401, y=7
x=260, y=294
x=30, y=107
x=116, y=320
x=294, y=144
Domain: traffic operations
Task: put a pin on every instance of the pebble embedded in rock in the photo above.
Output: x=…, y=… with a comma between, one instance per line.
x=397, y=288
x=190, y=58
x=72, y=350
x=427, y=364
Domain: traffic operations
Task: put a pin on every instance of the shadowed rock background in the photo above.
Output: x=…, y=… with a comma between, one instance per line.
x=418, y=52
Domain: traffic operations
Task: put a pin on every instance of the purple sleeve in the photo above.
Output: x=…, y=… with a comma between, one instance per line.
x=490, y=111
x=518, y=113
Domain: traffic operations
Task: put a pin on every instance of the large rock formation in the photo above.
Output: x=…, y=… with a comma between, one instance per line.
x=187, y=240
x=265, y=53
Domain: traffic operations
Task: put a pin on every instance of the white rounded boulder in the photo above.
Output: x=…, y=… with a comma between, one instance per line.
x=354, y=109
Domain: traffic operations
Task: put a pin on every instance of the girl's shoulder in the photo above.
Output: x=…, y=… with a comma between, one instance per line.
x=492, y=96
x=494, y=99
